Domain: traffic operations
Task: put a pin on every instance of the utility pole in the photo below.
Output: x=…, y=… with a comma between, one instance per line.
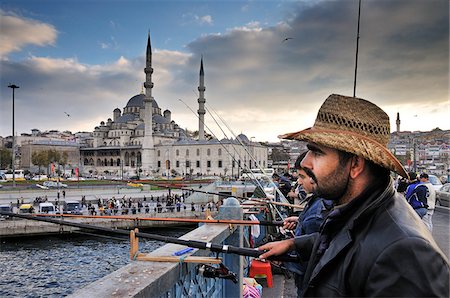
x=13, y=87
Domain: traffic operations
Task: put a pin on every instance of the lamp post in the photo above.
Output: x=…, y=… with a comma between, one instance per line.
x=13, y=87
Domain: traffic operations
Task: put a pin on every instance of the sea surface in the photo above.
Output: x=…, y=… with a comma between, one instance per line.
x=56, y=266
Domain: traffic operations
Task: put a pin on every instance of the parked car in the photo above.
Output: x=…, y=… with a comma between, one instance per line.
x=437, y=184
x=26, y=208
x=40, y=177
x=47, y=208
x=72, y=207
x=5, y=208
x=443, y=195
x=53, y=184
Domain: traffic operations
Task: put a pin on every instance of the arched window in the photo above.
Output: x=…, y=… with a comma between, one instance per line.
x=187, y=152
x=118, y=162
x=127, y=159
x=86, y=162
x=99, y=162
x=133, y=159
x=139, y=159
x=91, y=162
x=177, y=152
x=111, y=162
x=208, y=152
x=220, y=151
x=198, y=152
x=159, y=153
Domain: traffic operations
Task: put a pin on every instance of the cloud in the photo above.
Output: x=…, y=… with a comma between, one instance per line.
x=194, y=18
x=259, y=85
x=18, y=32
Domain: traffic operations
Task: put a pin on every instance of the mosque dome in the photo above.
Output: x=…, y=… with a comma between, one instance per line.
x=138, y=101
x=243, y=138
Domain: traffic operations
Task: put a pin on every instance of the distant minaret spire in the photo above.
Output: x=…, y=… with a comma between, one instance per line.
x=398, y=122
x=148, y=148
x=201, y=103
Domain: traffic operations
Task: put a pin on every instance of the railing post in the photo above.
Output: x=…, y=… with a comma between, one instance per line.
x=231, y=209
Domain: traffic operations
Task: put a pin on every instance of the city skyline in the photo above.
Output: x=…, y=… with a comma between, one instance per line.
x=268, y=65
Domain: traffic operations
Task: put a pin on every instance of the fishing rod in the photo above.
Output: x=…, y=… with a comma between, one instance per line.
x=241, y=251
x=248, y=152
x=190, y=220
x=234, y=159
x=262, y=200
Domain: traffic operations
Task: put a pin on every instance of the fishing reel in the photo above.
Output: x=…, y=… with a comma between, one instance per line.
x=220, y=272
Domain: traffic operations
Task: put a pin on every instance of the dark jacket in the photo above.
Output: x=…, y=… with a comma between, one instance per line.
x=380, y=248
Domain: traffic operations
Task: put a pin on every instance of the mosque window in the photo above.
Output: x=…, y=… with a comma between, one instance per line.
x=99, y=162
x=111, y=162
x=197, y=163
x=208, y=152
x=187, y=152
x=159, y=163
x=177, y=163
x=177, y=152
x=219, y=163
x=86, y=161
x=118, y=162
x=159, y=153
x=133, y=160
x=198, y=152
x=127, y=159
x=188, y=163
x=219, y=151
x=139, y=159
x=208, y=163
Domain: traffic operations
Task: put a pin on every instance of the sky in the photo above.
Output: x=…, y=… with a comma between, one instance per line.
x=269, y=65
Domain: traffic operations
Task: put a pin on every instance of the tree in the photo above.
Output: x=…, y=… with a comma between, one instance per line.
x=5, y=158
x=40, y=159
x=279, y=155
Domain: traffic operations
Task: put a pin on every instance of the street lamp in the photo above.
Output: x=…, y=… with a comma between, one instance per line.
x=13, y=87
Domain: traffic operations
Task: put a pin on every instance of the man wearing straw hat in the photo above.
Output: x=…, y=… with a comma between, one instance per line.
x=372, y=243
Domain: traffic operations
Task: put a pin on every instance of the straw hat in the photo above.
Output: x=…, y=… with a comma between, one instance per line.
x=352, y=125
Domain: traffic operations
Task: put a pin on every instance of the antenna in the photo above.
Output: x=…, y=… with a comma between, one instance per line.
x=357, y=47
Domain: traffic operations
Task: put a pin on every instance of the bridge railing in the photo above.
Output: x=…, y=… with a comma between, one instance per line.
x=164, y=279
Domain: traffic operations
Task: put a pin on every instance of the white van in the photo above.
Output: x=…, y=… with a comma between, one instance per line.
x=47, y=208
x=250, y=174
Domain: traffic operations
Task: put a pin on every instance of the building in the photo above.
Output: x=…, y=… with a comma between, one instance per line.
x=143, y=141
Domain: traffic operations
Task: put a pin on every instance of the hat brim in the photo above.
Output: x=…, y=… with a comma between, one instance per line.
x=350, y=142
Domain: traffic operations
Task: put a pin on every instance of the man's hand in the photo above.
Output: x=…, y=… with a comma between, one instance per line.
x=290, y=223
x=276, y=248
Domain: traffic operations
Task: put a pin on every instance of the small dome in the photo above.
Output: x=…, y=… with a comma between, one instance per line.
x=116, y=110
x=243, y=138
x=160, y=119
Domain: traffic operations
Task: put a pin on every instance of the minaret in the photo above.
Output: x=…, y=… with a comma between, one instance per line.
x=398, y=122
x=201, y=104
x=148, y=149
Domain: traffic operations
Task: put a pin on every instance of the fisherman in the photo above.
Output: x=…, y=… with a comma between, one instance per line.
x=308, y=221
x=372, y=243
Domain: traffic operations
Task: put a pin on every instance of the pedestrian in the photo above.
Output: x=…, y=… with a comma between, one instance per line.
x=371, y=243
x=431, y=201
x=416, y=195
x=308, y=221
x=64, y=194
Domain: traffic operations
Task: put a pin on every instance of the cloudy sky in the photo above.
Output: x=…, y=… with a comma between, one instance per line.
x=86, y=58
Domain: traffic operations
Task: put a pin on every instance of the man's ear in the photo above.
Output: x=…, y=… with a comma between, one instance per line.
x=357, y=166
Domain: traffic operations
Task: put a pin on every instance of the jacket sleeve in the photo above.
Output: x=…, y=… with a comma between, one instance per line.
x=410, y=267
x=304, y=245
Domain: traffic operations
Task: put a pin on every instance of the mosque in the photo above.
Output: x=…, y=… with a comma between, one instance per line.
x=142, y=141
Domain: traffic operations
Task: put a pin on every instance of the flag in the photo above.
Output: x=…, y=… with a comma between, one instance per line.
x=76, y=172
x=53, y=168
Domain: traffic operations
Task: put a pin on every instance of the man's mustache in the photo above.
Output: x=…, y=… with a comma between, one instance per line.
x=310, y=174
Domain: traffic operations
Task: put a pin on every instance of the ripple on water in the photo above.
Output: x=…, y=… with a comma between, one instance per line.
x=57, y=266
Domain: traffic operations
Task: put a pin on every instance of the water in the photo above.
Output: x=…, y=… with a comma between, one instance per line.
x=56, y=266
